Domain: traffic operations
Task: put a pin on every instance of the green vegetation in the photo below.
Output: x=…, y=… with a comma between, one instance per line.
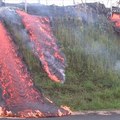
x=92, y=72
x=91, y=79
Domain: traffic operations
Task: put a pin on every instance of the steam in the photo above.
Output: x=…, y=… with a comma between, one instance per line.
x=100, y=45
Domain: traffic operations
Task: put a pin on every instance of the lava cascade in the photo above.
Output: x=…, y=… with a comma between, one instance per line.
x=45, y=45
x=20, y=96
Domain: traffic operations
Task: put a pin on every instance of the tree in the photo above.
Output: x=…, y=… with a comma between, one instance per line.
x=63, y=2
x=73, y=2
x=25, y=5
x=46, y=2
x=39, y=1
x=118, y=3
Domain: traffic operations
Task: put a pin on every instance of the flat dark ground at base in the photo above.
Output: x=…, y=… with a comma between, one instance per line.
x=75, y=117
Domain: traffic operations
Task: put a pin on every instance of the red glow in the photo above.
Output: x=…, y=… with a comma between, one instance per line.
x=45, y=44
x=116, y=19
x=20, y=96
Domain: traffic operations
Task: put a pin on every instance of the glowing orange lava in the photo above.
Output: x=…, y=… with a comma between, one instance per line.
x=116, y=19
x=45, y=45
x=21, y=98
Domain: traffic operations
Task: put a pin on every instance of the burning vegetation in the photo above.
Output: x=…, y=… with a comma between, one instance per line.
x=19, y=96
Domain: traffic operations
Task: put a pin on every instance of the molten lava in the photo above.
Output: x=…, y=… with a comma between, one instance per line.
x=45, y=45
x=19, y=96
x=116, y=19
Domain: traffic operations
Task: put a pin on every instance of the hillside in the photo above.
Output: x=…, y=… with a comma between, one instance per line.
x=23, y=38
x=91, y=47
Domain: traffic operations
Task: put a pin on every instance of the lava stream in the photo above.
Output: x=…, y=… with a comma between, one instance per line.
x=18, y=92
x=45, y=45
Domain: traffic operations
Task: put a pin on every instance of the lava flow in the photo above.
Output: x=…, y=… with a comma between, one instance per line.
x=116, y=19
x=20, y=96
x=45, y=46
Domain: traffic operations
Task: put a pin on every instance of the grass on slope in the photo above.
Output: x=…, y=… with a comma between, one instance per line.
x=92, y=72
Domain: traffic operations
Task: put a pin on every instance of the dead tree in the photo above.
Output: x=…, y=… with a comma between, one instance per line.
x=118, y=3
x=46, y=2
x=63, y=2
x=39, y=1
x=110, y=1
x=25, y=5
x=74, y=2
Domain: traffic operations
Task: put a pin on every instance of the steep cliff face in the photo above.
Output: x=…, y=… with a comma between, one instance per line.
x=19, y=97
